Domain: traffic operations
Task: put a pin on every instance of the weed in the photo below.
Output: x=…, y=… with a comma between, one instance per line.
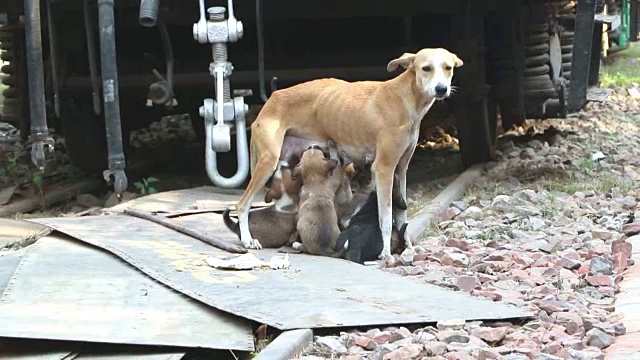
x=145, y=186
x=623, y=68
x=12, y=165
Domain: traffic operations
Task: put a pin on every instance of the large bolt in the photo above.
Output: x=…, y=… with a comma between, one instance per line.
x=216, y=13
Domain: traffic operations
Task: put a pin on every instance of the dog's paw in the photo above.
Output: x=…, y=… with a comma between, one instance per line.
x=387, y=257
x=252, y=244
x=296, y=245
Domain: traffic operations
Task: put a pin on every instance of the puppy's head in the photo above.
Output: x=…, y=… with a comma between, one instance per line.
x=275, y=183
x=314, y=167
x=433, y=69
x=398, y=239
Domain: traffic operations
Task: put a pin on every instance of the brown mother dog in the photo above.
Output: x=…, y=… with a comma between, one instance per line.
x=379, y=119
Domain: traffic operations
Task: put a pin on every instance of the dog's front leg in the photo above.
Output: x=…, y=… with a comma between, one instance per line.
x=383, y=175
x=400, y=215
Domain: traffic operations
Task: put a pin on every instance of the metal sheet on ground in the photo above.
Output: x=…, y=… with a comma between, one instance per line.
x=316, y=292
x=178, y=201
x=63, y=289
x=9, y=261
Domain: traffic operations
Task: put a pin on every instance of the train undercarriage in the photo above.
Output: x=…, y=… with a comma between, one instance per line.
x=97, y=70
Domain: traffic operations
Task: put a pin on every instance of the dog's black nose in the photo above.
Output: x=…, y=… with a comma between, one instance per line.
x=441, y=89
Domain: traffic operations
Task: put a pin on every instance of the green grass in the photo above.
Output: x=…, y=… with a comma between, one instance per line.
x=622, y=68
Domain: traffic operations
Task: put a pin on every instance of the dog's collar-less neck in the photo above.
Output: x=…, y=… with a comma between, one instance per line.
x=405, y=86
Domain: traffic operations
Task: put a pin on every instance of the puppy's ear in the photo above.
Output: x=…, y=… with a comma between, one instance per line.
x=350, y=170
x=406, y=61
x=331, y=164
x=456, y=61
x=268, y=197
x=296, y=173
x=344, y=158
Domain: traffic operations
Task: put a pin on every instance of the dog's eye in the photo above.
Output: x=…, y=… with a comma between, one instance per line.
x=426, y=68
x=448, y=68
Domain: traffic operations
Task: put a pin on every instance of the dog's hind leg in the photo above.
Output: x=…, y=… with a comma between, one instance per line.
x=267, y=142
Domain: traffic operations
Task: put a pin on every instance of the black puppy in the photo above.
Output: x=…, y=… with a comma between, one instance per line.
x=362, y=240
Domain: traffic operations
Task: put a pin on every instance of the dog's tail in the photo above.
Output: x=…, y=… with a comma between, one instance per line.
x=229, y=223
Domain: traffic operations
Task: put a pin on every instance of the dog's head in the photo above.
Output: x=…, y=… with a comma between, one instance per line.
x=314, y=167
x=433, y=69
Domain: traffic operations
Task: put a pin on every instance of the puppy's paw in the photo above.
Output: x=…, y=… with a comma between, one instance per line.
x=296, y=245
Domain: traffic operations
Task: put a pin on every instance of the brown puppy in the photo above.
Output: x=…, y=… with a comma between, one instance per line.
x=317, y=220
x=275, y=224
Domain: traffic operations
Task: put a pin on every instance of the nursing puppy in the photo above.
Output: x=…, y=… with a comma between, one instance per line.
x=275, y=224
x=362, y=239
x=358, y=199
x=317, y=224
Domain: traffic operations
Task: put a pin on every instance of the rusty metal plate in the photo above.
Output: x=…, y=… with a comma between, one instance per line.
x=316, y=292
x=63, y=289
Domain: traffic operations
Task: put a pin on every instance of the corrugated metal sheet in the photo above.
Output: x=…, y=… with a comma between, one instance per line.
x=67, y=290
x=315, y=292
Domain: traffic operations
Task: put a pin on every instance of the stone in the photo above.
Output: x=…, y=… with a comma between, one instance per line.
x=435, y=348
x=455, y=259
x=600, y=265
x=568, y=263
x=331, y=344
x=631, y=229
x=450, y=324
x=449, y=337
x=570, y=320
x=382, y=337
x=490, y=334
x=365, y=343
x=552, y=305
x=401, y=333
x=501, y=202
x=601, y=234
x=584, y=355
x=467, y=283
x=472, y=212
x=381, y=350
x=458, y=244
x=423, y=337
x=406, y=258
x=599, y=280
x=408, y=352
x=599, y=339
x=623, y=247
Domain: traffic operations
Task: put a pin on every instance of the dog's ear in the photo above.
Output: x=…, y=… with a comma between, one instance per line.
x=331, y=164
x=456, y=61
x=406, y=61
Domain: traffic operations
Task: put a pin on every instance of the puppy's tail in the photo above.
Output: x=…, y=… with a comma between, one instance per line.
x=229, y=223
